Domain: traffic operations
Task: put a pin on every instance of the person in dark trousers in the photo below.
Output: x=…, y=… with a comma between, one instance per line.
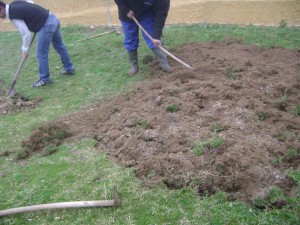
x=152, y=15
x=29, y=17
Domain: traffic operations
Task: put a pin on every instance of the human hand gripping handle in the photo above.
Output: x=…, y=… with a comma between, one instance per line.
x=155, y=41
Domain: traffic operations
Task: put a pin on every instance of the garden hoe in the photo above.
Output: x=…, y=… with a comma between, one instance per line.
x=168, y=53
x=11, y=92
x=64, y=205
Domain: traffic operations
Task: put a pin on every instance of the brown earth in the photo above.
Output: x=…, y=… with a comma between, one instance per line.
x=257, y=12
x=238, y=104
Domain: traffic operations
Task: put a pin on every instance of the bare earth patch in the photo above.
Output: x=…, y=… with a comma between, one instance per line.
x=228, y=125
x=10, y=105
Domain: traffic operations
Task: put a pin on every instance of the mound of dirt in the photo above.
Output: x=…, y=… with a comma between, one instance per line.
x=10, y=105
x=231, y=124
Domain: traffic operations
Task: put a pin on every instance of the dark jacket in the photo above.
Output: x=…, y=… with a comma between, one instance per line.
x=159, y=8
x=33, y=15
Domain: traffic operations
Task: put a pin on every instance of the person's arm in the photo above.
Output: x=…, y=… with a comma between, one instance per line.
x=123, y=6
x=26, y=36
x=161, y=9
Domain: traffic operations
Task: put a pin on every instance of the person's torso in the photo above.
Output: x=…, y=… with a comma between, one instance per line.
x=33, y=15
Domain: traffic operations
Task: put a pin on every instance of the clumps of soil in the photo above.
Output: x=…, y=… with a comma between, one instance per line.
x=45, y=139
x=228, y=125
x=10, y=105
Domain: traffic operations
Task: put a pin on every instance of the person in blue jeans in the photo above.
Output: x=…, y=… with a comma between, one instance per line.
x=29, y=17
x=152, y=15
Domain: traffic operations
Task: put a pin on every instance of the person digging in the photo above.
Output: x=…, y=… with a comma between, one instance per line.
x=152, y=15
x=29, y=17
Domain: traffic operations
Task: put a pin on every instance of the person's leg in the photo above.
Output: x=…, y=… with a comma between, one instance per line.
x=42, y=50
x=61, y=49
x=147, y=23
x=131, y=43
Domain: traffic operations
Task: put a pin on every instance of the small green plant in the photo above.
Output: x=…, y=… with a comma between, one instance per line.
x=113, y=111
x=232, y=74
x=282, y=102
x=220, y=169
x=214, y=143
x=292, y=152
x=280, y=136
x=217, y=128
x=127, y=96
x=172, y=108
x=277, y=161
x=282, y=24
x=297, y=111
x=140, y=122
x=23, y=154
x=198, y=149
x=261, y=116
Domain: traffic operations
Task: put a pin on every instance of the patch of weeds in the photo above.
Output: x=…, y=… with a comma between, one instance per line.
x=214, y=143
x=140, y=122
x=282, y=102
x=172, y=108
x=232, y=74
x=217, y=128
x=220, y=169
x=280, y=136
x=127, y=96
x=275, y=199
x=278, y=160
x=196, y=182
x=49, y=150
x=292, y=152
x=198, y=149
x=114, y=110
x=282, y=24
x=147, y=139
x=23, y=154
x=151, y=174
x=296, y=111
x=261, y=116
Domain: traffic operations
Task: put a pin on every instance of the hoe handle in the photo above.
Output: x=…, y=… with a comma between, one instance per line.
x=168, y=53
x=65, y=205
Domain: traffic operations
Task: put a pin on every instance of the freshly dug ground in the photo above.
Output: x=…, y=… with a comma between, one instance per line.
x=9, y=105
x=232, y=124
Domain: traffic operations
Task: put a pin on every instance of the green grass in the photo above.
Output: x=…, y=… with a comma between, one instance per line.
x=77, y=171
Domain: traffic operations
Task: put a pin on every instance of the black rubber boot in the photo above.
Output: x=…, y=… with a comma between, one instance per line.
x=133, y=57
x=162, y=59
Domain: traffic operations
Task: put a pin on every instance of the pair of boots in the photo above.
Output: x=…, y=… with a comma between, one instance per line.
x=160, y=56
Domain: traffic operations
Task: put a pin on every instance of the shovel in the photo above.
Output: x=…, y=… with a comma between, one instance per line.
x=11, y=92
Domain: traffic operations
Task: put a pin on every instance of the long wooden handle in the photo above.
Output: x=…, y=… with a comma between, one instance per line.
x=162, y=48
x=64, y=205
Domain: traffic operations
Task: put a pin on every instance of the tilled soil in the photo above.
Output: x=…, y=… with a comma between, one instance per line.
x=230, y=125
x=10, y=105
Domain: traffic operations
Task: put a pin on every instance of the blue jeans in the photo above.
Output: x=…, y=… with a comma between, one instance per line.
x=131, y=32
x=50, y=32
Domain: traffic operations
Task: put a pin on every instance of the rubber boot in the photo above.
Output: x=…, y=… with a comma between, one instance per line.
x=133, y=57
x=162, y=59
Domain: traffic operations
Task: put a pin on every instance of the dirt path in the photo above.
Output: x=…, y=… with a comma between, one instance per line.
x=267, y=12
